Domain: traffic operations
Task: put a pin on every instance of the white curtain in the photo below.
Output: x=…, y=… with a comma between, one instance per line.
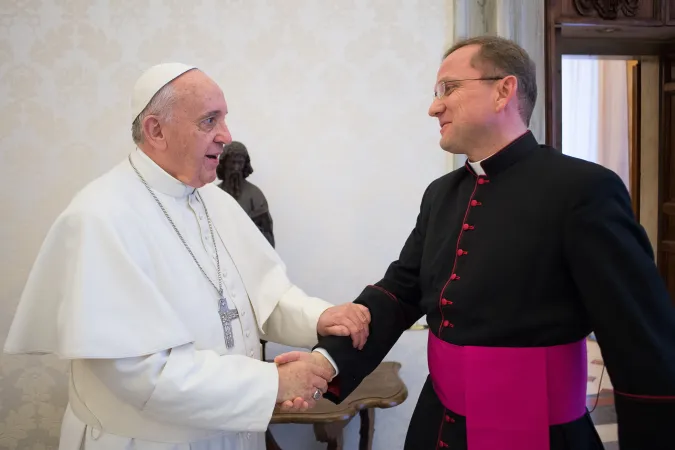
x=595, y=112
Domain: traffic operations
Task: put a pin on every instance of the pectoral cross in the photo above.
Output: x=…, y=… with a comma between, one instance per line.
x=226, y=317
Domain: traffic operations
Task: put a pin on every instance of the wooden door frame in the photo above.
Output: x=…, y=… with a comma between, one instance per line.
x=569, y=30
x=556, y=45
x=552, y=73
x=635, y=159
x=666, y=152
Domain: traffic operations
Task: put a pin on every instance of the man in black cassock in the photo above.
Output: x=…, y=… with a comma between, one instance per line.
x=515, y=259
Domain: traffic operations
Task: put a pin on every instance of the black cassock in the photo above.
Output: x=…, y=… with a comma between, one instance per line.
x=539, y=251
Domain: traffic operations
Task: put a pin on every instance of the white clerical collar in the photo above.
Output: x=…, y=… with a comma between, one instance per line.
x=477, y=167
x=158, y=178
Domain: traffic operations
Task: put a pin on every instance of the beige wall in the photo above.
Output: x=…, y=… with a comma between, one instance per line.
x=330, y=96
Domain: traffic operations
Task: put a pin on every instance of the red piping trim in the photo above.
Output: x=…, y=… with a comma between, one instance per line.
x=334, y=389
x=647, y=397
x=440, y=428
x=389, y=294
x=454, y=265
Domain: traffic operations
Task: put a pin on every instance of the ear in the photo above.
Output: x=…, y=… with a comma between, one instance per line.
x=154, y=132
x=506, y=90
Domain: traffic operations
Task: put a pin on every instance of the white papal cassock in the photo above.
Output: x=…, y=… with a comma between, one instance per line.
x=115, y=292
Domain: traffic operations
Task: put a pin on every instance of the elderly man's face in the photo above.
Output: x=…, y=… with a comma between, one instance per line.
x=196, y=133
x=467, y=108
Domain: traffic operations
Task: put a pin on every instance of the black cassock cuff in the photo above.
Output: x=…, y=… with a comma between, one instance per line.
x=645, y=422
x=389, y=319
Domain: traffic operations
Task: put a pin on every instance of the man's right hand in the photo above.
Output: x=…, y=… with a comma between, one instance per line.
x=299, y=380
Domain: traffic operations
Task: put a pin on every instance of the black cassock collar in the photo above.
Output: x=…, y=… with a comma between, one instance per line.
x=506, y=157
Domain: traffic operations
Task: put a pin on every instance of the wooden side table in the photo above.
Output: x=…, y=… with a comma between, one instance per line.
x=383, y=388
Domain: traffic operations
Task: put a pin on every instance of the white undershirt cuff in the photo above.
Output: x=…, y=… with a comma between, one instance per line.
x=330, y=360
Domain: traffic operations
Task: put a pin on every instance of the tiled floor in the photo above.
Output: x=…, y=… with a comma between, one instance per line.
x=600, y=400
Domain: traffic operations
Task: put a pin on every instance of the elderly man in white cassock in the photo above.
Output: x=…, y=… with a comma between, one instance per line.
x=157, y=288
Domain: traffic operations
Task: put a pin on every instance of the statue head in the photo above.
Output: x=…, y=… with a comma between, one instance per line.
x=234, y=167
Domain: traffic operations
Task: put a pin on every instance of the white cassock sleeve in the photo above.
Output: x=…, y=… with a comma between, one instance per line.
x=300, y=313
x=293, y=321
x=194, y=388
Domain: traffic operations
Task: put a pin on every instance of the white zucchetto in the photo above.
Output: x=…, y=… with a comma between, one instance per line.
x=151, y=81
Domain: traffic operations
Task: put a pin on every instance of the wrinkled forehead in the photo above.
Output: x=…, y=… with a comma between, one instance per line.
x=198, y=93
x=458, y=64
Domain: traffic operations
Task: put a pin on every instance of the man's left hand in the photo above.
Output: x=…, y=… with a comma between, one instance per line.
x=349, y=319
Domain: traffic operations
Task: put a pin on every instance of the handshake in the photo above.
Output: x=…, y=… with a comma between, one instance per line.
x=303, y=376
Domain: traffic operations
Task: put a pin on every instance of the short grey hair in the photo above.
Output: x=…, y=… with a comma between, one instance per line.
x=160, y=105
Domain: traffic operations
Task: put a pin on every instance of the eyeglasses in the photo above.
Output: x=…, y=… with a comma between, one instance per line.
x=441, y=88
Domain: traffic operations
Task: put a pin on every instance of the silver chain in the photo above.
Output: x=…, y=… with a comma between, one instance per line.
x=208, y=218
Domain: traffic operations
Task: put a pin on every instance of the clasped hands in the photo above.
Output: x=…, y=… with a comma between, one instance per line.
x=302, y=373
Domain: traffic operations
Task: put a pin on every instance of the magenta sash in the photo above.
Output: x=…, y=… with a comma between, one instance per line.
x=510, y=396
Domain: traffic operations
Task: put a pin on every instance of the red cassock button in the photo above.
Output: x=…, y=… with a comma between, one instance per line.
x=475, y=203
x=446, y=302
x=453, y=276
x=461, y=252
x=446, y=323
x=466, y=226
x=483, y=180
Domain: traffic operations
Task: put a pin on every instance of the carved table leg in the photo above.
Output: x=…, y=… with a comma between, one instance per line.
x=335, y=444
x=330, y=433
x=270, y=442
x=367, y=429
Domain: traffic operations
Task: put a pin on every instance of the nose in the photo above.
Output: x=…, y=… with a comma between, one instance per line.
x=436, y=107
x=223, y=135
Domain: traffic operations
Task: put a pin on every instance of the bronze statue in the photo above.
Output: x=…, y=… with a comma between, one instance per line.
x=233, y=169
